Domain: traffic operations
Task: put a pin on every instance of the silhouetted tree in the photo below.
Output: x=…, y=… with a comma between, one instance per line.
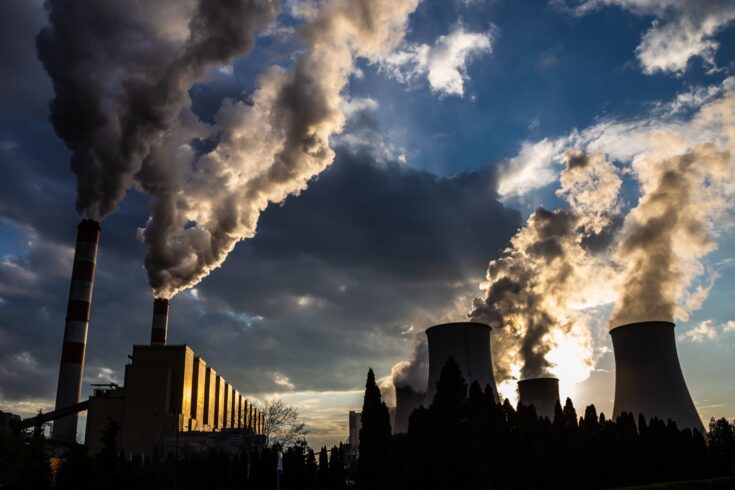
x=375, y=435
x=323, y=468
x=722, y=446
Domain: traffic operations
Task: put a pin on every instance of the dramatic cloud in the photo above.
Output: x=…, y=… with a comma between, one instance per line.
x=121, y=72
x=268, y=148
x=537, y=291
x=682, y=158
x=681, y=30
x=444, y=64
x=530, y=169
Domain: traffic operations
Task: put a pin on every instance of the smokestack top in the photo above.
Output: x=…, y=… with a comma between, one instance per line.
x=647, y=323
x=160, y=306
x=443, y=326
x=88, y=230
x=159, y=326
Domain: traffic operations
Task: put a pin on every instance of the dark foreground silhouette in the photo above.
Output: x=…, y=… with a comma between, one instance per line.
x=464, y=440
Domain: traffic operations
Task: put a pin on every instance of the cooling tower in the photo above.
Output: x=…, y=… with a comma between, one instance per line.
x=407, y=400
x=542, y=393
x=648, y=377
x=469, y=344
x=159, y=328
x=69, y=388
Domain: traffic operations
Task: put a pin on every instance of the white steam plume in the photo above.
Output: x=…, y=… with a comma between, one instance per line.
x=536, y=292
x=268, y=148
x=415, y=371
x=687, y=192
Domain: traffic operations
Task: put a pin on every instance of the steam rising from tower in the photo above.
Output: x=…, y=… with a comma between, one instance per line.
x=535, y=292
x=468, y=343
x=74, y=348
x=648, y=377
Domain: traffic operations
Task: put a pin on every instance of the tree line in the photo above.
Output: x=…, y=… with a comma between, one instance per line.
x=25, y=463
x=466, y=440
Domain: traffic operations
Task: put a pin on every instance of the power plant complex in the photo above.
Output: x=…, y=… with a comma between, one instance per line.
x=648, y=377
x=171, y=397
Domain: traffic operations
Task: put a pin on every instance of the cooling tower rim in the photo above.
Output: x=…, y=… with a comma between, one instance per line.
x=454, y=324
x=649, y=323
x=539, y=378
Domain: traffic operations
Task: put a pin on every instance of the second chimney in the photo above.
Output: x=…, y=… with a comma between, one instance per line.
x=159, y=328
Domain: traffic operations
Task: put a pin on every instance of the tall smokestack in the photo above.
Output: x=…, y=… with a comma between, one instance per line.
x=69, y=388
x=159, y=328
x=542, y=393
x=469, y=344
x=648, y=377
x=407, y=400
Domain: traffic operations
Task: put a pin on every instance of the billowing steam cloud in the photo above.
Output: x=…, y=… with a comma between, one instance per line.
x=268, y=148
x=121, y=72
x=539, y=292
x=415, y=371
x=535, y=291
x=684, y=197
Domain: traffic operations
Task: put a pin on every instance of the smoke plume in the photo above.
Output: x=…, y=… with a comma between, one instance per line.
x=535, y=292
x=121, y=72
x=268, y=147
x=415, y=371
x=684, y=198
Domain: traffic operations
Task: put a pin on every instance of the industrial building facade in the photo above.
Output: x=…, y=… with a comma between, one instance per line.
x=168, y=391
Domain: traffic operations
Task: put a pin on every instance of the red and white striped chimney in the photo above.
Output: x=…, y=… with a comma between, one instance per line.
x=160, y=321
x=69, y=389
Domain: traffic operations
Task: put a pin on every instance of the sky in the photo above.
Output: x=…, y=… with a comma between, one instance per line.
x=447, y=133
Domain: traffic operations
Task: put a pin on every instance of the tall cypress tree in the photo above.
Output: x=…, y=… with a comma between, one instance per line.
x=373, y=462
x=323, y=475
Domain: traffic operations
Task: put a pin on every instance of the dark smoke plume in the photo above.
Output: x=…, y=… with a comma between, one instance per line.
x=121, y=72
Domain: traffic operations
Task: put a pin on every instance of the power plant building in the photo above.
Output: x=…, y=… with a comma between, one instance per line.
x=167, y=391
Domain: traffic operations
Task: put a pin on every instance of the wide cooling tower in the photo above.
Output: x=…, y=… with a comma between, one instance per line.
x=407, y=400
x=648, y=377
x=542, y=393
x=468, y=343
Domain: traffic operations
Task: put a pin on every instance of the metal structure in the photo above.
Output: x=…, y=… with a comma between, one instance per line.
x=542, y=393
x=159, y=327
x=468, y=343
x=53, y=415
x=69, y=389
x=407, y=400
x=648, y=376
